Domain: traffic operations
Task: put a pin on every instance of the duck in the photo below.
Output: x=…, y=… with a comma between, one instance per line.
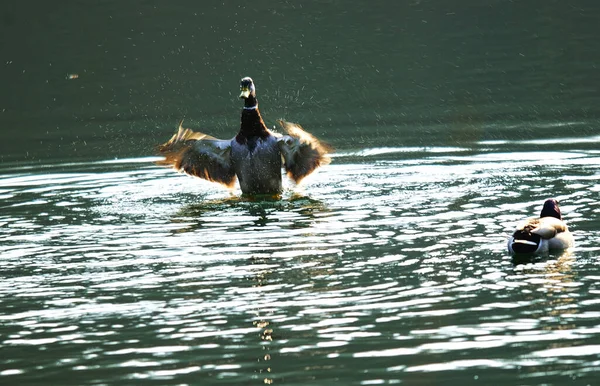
x=539, y=235
x=254, y=157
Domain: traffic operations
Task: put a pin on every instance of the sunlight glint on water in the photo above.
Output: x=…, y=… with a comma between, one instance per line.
x=393, y=265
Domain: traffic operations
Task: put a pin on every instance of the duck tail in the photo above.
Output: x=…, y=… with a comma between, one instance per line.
x=524, y=242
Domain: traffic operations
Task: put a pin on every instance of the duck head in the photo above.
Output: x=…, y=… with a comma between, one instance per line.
x=248, y=91
x=551, y=209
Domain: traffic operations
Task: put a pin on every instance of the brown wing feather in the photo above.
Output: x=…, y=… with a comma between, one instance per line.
x=302, y=152
x=199, y=155
x=549, y=227
x=545, y=227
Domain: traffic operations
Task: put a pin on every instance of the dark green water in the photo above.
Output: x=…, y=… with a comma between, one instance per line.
x=451, y=121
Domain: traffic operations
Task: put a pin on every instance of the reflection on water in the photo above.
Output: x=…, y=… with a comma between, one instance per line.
x=381, y=268
x=293, y=211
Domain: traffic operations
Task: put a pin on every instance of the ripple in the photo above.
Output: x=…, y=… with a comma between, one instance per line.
x=394, y=264
x=568, y=351
x=553, y=141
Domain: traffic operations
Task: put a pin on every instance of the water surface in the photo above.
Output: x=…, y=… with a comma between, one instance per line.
x=451, y=123
x=375, y=271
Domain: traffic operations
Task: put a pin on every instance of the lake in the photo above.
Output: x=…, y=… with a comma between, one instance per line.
x=451, y=123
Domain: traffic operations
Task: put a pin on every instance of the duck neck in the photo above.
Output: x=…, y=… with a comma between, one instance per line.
x=252, y=124
x=551, y=212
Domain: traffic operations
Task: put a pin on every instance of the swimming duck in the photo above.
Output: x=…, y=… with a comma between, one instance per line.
x=253, y=156
x=540, y=235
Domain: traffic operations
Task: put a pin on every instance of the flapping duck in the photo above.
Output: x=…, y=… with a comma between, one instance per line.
x=254, y=156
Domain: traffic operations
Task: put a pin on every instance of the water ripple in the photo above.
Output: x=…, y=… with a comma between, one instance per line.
x=388, y=265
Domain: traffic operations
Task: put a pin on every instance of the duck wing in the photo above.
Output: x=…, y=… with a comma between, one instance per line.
x=545, y=227
x=199, y=155
x=549, y=227
x=302, y=152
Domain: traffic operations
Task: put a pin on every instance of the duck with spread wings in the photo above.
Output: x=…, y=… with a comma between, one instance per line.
x=254, y=156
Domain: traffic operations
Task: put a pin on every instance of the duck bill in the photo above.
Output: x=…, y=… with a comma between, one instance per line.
x=245, y=93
